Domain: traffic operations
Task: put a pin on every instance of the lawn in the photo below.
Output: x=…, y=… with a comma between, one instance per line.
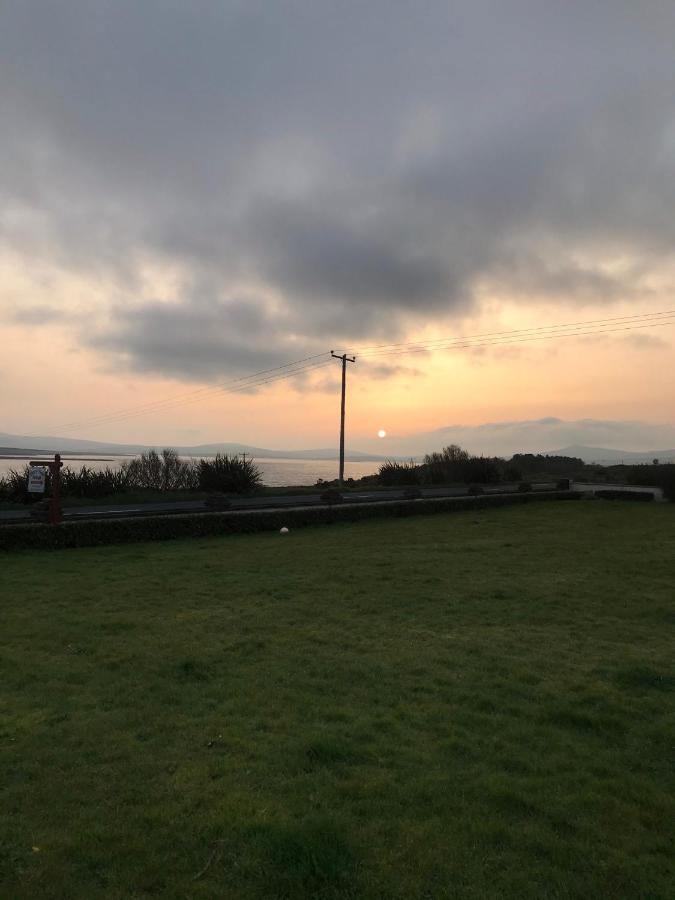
x=476, y=705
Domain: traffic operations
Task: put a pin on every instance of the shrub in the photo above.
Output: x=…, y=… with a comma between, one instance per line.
x=88, y=482
x=230, y=474
x=14, y=486
x=545, y=466
x=563, y=484
x=160, y=472
x=398, y=473
x=453, y=464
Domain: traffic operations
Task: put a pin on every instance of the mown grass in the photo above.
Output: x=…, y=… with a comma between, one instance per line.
x=477, y=705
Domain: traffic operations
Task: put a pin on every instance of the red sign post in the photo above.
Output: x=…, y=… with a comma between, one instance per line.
x=55, y=472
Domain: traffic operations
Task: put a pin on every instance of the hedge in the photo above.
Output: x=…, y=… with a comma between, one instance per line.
x=93, y=533
x=611, y=494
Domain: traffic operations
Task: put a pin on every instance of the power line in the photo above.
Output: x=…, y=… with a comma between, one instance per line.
x=233, y=386
x=320, y=360
x=242, y=388
x=519, y=336
x=253, y=382
x=446, y=341
x=521, y=340
x=208, y=389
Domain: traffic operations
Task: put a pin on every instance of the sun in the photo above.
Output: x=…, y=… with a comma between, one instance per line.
x=381, y=433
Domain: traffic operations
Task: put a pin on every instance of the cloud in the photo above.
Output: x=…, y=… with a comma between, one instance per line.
x=199, y=340
x=649, y=342
x=38, y=314
x=340, y=171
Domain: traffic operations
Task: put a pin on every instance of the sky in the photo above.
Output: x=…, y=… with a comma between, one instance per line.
x=194, y=192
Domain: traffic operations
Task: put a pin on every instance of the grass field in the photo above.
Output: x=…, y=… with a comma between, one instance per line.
x=478, y=705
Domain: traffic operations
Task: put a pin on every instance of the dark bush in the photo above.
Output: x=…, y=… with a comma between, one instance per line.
x=153, y=471
x=454, y=465
x=544, y=466
x=87, y=482
x=563, y=484
x=398, y=473
x=14, y=487
x=95, y=532
x=662, y=475
x=229, y=474
x=524, y=487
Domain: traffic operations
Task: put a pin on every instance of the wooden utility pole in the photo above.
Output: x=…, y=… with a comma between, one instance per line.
x=344, y=359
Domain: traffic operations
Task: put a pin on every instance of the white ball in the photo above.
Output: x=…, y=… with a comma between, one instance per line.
x=283, y=530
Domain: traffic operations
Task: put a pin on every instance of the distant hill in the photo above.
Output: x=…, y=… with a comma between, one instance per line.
x=607, y=456
x=15, y=444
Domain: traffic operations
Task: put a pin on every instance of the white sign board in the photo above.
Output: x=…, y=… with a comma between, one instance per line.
x=36, y=479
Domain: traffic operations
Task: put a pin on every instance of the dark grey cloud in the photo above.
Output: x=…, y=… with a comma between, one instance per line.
x=199, y=340
x=38, y=314
x=333, y=171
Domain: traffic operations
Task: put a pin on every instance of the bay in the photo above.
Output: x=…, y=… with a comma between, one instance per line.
x=276, y=472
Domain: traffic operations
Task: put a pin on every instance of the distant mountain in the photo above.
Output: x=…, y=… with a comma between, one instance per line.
x=587, y=438
x=607, y=456
x=16, y=444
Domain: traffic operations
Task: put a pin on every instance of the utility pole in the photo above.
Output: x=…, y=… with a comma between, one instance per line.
x=345, y=359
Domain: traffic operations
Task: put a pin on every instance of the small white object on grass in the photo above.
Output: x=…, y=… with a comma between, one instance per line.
x=283, y=530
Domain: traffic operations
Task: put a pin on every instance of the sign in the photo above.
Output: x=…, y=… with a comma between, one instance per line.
x=36, y=479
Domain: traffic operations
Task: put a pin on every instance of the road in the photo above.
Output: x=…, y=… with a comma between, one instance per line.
x=264, y=502
x=123, y=510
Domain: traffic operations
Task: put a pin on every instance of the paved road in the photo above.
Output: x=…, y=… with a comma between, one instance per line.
x=269, y=502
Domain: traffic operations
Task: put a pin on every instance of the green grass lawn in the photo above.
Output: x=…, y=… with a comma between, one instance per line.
x=477, y=705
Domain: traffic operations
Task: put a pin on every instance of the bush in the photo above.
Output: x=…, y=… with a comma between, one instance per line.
x=91, y=483
x=14, y=487
x=93, y=532
x=563, y=484
x=454, y=465
x=229, y=474
x=524, y=487
x=160, y=472
x=545, y=466
x=396, y=473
